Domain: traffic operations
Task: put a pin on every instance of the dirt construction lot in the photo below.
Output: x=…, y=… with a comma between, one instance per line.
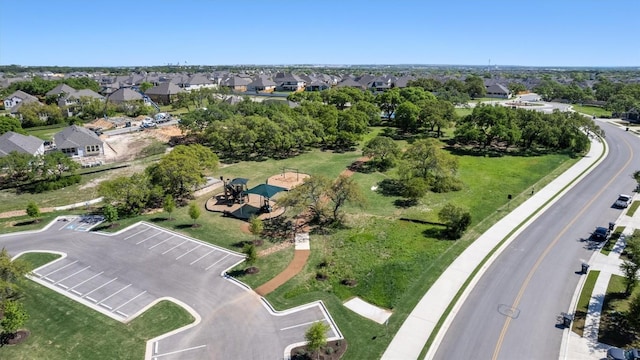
x=127, y=146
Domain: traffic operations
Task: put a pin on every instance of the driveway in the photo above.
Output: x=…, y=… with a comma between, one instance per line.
x=123, y=274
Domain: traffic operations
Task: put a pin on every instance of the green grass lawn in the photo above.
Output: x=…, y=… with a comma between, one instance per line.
x=592, y=110
x=583, y=302
x=614, y=305
x=64, y=329
x=25, y=223
x=462, y=112
x=45, y=132
x=633, y=208
x=608, y=246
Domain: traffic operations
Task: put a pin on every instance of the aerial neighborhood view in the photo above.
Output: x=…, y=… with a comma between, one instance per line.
x=328, y=180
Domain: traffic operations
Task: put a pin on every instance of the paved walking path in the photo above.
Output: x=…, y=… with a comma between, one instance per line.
x=417, y=328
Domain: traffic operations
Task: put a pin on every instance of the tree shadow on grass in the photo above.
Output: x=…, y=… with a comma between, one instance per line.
x=26, y=222
x=237, y=273
x=435, y=233
x=158, y=219
x=241, y=244
x=187, y=226
x=405, y=203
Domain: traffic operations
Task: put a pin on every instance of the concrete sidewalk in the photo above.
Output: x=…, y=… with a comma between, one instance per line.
x=587, y=346
x=419, y=325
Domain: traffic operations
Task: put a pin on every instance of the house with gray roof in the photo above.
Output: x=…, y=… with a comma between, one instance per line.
x=27, y=144
x=12, y=101
x=164, y=93
x=77, y=141
x=349, y=82
x=236, y=83
x=198, y=81
x=498, y=91
x=288, y=82
x=60, y=89
x=123, y=95
x=262, y=84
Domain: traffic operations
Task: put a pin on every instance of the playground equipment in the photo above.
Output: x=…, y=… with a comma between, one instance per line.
x=235, y=190
x=285, y=170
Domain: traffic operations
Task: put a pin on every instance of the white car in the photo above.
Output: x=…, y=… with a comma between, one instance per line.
x=623, y=201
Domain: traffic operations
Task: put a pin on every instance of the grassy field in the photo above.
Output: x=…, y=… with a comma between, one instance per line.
x=462, y=112
x=615, y=303
x=393, y=261
x=64, y=329
x=583, y=302
x=592, y=110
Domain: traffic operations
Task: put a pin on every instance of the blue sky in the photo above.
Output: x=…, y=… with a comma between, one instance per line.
x=473, y=32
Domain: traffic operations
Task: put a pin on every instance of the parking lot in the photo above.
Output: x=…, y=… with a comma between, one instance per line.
x=123, y=274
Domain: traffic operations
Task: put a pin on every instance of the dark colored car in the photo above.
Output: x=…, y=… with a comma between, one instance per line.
x=601, y=234
x=620, y=354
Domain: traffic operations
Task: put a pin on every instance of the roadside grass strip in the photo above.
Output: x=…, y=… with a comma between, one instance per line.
x=583, y=303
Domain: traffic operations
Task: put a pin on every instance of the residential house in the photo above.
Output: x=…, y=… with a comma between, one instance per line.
x=262, y=84
x=60, y=89
x=288, y=82
x=123, y=95
x=236, y=83
x=498, y=91
x=379, y=85
x=27, y=144
x=164, y=93
x=317, y=85
x=13, y=101
x=349, y=82
x=77, y=141
x=198, y=81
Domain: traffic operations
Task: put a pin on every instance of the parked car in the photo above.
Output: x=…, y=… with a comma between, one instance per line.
x=601, y=234
x=620, y=354
x=623, y=201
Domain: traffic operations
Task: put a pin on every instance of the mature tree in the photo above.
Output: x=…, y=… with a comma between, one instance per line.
x=169, y=205
x=13, y=316
x=55, y=163
x=426, y=159
x=33, y=210
x=630, y=271
x=428, y=84
x=632, y=315
x=194, y=212
x=414, y=94
x=456, y=218
x=251, y=255
x=110, y=213
x=11, y=273
x=37, y=114
x=129, y=194
x=309, y=196
x=9, y=123
x=184, y=168
x=144, y=86
x=388, y=101
x=18, y=167
x=371, y=110
x=316, y=336
x=437, y=114
x=407, y=116
x=344, y=189
x=415, y=188
x=475, y=86
x=383, y=152
x=516, y=87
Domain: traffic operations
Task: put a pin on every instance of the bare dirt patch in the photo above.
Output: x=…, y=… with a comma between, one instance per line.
x=128, y=146
x=287, y=180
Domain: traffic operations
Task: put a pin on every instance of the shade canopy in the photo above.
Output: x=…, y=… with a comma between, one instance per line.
x=265, y=190
x=239, y=181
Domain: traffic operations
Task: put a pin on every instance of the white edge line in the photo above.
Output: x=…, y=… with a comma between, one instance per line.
x=179, y=351
x=148, y=354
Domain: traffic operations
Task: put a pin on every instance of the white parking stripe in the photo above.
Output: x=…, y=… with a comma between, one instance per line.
x=92, y=299
x=201, y=257
x=46, y=278
x=305, y=324
x=107, y=306
x=76, y=292
x=123, y=314
x=65, y=224
x=139, y=232
x=179, y=351
x=130, y=300
x=75, y=286
x=210, y=266
x=103, y=285
x=75, y=273
x=63, y=286
x=161, y=242
x=54, y=271
x=115, y=293
x=188, y=251
x=150, y=237
x=174, y=247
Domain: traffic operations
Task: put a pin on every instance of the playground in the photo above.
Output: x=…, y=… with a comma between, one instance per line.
x=239, y=201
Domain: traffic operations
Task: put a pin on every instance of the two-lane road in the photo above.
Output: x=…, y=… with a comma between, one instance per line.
x=512, y=312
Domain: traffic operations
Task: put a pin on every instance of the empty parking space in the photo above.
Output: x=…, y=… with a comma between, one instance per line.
x=83, y=282
x=179, y=248
x=81, y=223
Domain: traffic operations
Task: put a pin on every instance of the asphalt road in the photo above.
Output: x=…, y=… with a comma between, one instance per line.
x=513, y=311
x=123, y=274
